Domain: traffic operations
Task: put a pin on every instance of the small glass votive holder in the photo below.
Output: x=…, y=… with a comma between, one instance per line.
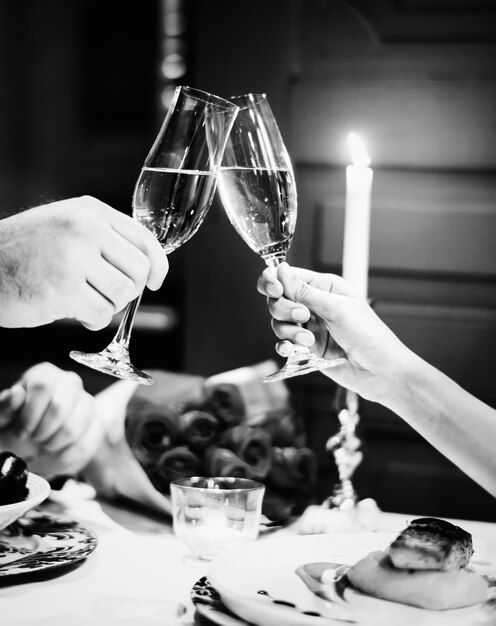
x=213, y=514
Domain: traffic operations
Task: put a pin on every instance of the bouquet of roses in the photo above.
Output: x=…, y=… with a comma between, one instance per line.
x=231, y=424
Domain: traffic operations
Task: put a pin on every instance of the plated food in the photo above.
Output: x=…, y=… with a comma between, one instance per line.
x=13, y=478
x=427, y=566
x=20, y=489
x=302, y=581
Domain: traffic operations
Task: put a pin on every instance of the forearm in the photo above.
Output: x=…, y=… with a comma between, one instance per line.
x=456, y=423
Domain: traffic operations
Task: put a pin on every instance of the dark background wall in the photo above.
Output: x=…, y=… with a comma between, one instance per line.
x=82, y=96
x=418, y=81
x=80, y=105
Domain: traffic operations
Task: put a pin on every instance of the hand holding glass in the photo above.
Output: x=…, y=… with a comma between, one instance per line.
x=258, y=191
x=171, y=198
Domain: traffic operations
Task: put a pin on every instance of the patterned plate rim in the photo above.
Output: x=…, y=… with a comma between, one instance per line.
x=207, y=601
x=45, y=524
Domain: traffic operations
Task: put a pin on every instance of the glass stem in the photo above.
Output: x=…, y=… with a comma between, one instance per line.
x=274, y=261
x=123, y=334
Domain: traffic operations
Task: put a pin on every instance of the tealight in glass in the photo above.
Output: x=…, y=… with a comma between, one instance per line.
x=214, y=514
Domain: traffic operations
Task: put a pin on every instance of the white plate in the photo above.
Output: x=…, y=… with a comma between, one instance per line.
x=38, y=490
x=269, y=566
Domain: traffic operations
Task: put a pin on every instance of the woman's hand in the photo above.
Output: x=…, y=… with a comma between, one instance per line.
x=336, y=321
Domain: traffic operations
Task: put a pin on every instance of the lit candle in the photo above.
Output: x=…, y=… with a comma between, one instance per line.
x=357, y=217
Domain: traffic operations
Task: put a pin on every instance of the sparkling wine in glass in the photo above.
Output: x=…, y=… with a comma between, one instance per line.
x=172, y=196
x=258, y=192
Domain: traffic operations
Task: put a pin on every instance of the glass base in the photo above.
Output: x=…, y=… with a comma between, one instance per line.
x=302, y=362
x=114, y=362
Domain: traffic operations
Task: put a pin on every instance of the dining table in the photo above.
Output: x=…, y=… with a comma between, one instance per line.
x=139, y=572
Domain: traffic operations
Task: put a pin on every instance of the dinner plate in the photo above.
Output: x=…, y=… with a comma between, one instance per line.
x=208, y=604
x=259, y=584
x=41, y=541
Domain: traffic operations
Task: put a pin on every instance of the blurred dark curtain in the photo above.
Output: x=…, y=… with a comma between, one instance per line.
x=80, y=105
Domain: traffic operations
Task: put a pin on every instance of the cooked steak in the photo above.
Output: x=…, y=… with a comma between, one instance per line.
x=431, y=543
x=427, y=589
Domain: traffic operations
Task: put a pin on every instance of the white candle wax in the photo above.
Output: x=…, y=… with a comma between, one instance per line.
x=357, y=219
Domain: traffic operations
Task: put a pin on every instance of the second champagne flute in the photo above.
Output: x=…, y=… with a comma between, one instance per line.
x=171, y=198
x=258, y=192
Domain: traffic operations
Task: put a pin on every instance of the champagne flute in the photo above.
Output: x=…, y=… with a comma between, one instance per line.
x=258, y=192
x=171, y=198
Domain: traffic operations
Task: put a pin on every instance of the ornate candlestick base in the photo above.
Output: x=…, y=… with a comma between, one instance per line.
x=344, y=446
x=342, y=511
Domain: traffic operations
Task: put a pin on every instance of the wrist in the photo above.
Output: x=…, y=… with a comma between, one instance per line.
x=402, y=380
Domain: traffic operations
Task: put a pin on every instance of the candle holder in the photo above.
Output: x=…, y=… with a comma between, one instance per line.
x=345, y=448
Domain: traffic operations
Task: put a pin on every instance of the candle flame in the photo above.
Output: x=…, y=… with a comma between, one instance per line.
x=359, y=154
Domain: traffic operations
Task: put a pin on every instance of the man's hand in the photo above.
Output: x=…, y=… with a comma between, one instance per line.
x=78, y=258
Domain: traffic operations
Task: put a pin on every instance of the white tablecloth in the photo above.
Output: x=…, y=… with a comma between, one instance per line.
x=133, y=577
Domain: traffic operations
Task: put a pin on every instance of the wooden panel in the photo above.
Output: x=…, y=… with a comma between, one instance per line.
x=358, y=36
x=423, y=123
x=429, y=20
x=437, y=263
x=460, y=341
x=421, y=222
x=426, y=105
